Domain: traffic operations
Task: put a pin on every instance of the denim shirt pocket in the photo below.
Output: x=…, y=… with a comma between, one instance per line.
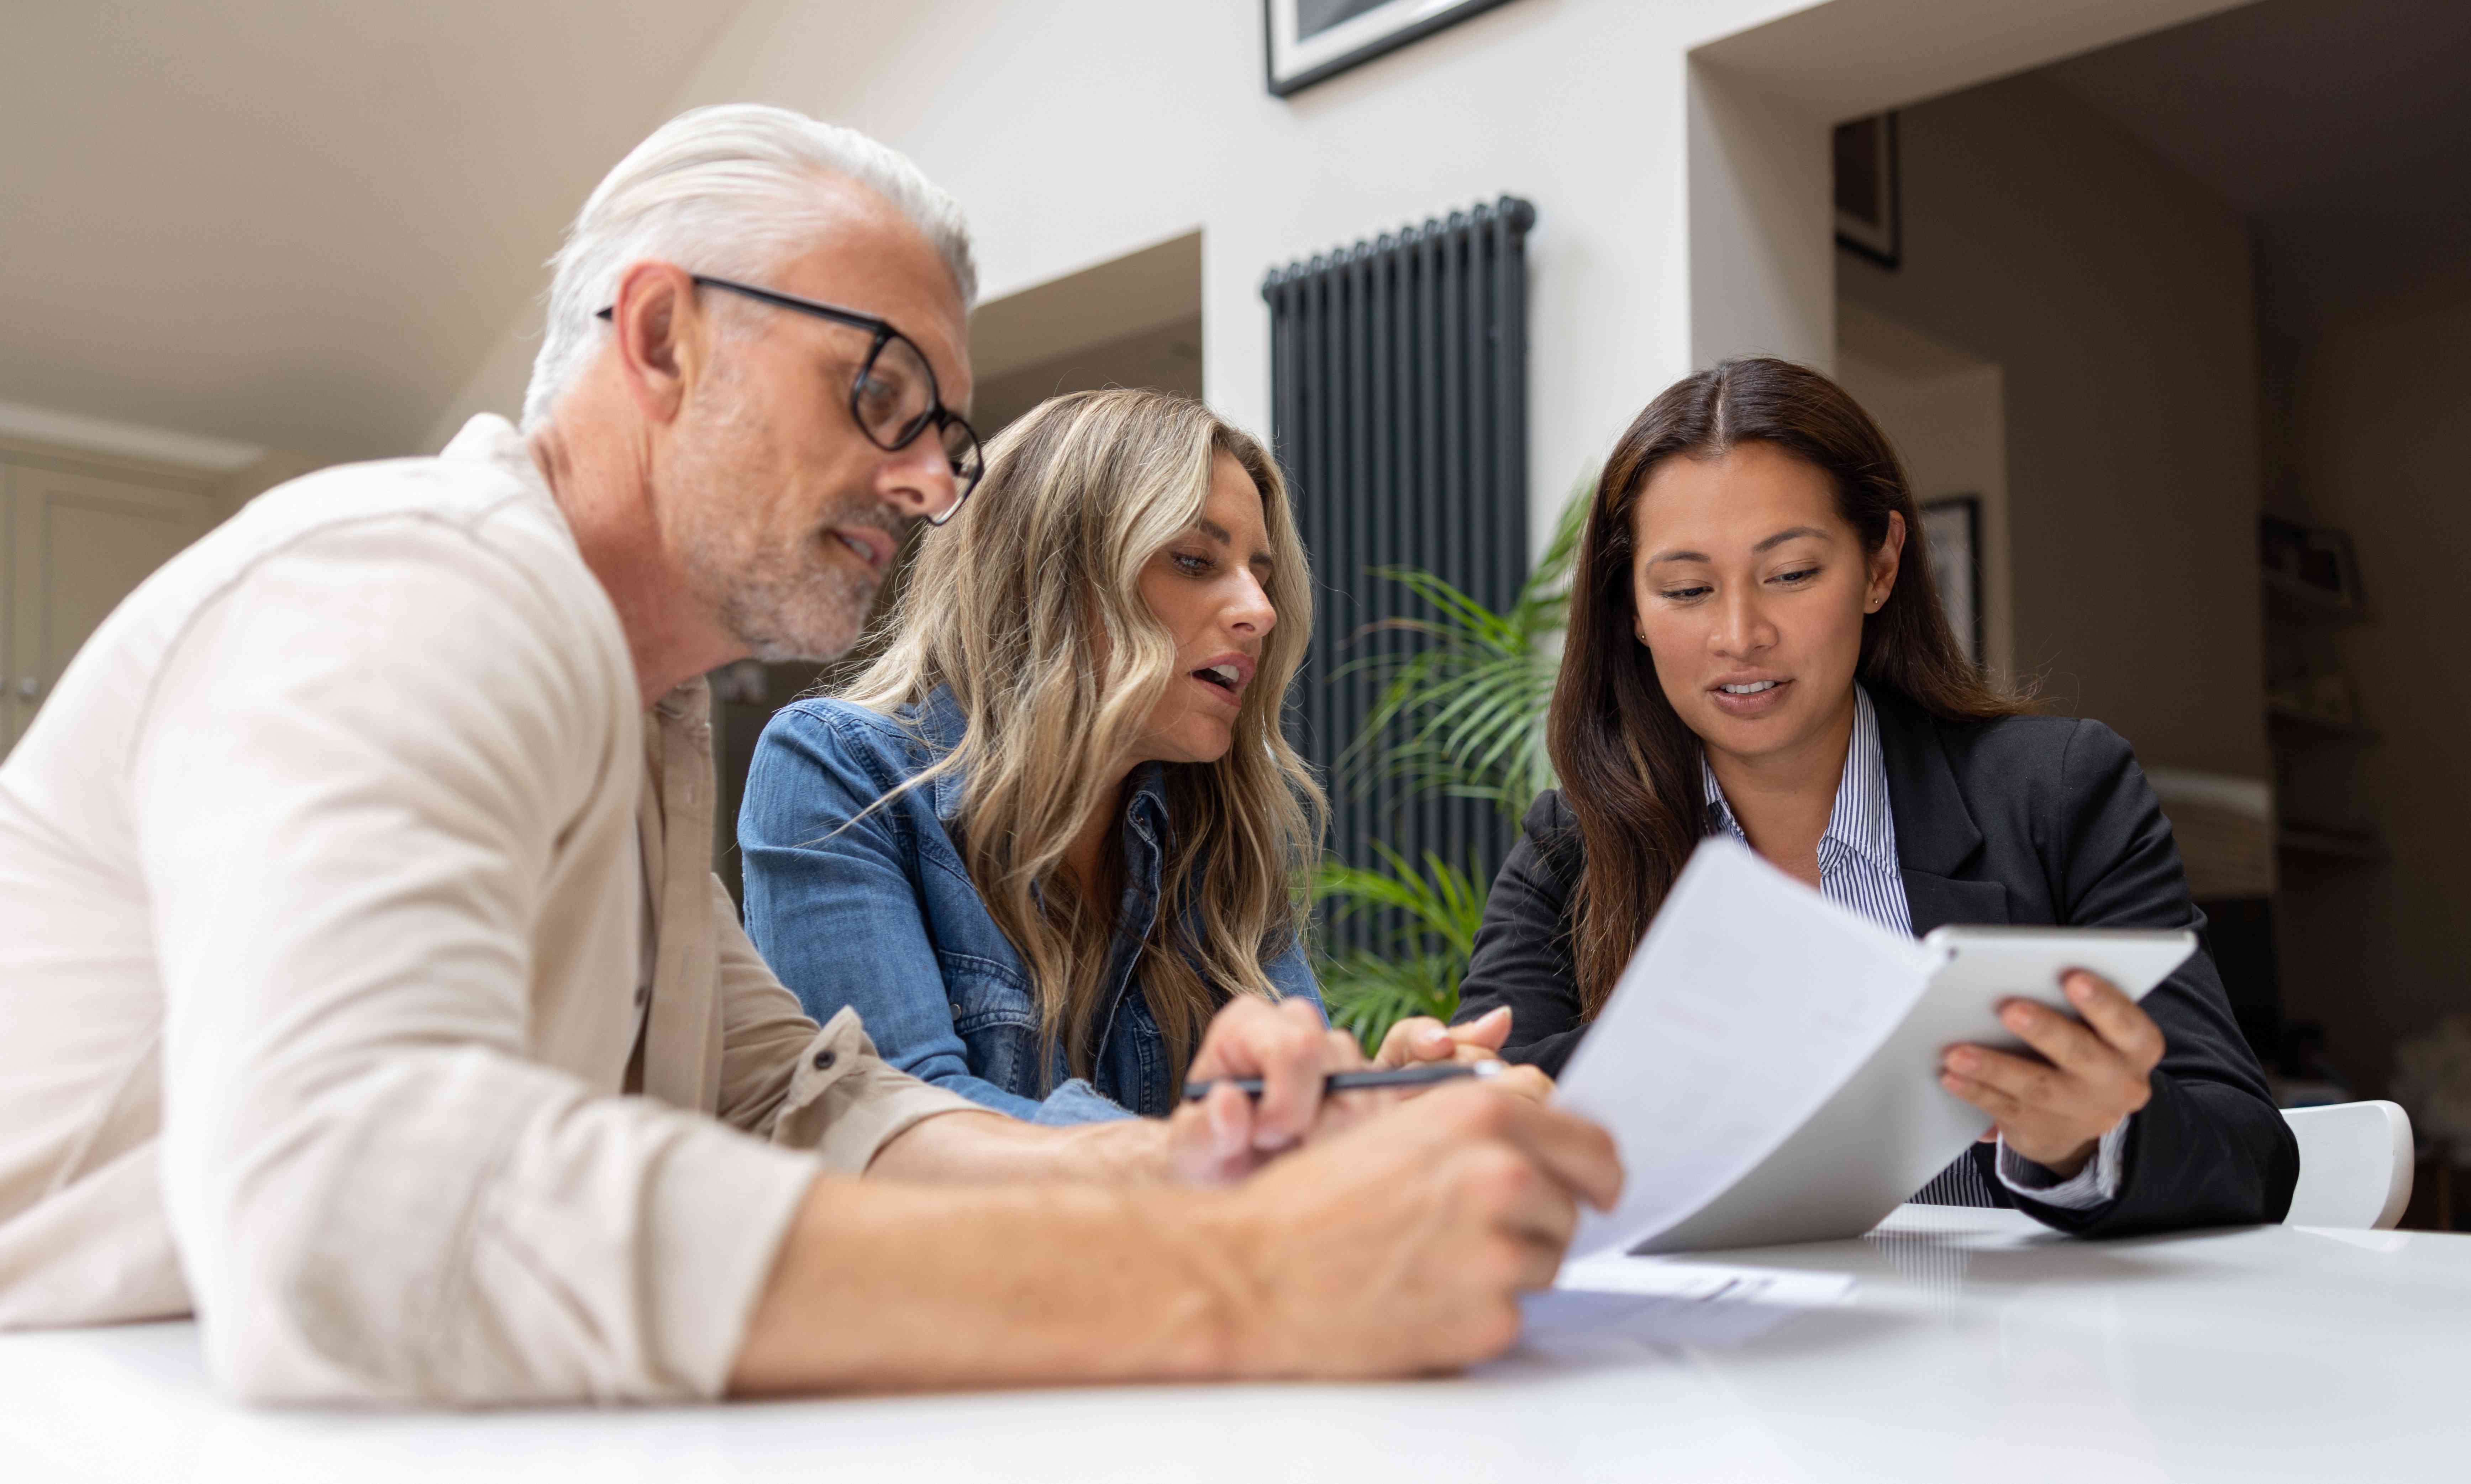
x=997, y=1019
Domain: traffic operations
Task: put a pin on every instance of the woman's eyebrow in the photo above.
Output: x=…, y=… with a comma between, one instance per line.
x=1227, y=538
x=1783, y=536
x=1777, y=540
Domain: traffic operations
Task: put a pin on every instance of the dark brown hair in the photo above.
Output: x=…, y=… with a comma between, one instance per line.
x=1629, y=765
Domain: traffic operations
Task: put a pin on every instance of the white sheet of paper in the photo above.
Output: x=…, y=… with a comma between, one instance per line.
x=1616, y=1272
x=1654, y=1302
x=1750, y=1001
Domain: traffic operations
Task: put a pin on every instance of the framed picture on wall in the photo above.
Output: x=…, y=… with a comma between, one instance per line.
x=1308, y=40
x=2316, y=560
x=1870, y=190
x=1952, y=533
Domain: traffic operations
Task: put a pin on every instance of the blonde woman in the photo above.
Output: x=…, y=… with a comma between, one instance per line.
x=1055, y=827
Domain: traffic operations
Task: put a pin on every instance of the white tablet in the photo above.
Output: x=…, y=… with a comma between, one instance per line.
x=1892, y=1126
x=1989, y=965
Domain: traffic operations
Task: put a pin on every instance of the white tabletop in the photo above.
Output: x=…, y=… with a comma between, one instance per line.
x=1977, y=1347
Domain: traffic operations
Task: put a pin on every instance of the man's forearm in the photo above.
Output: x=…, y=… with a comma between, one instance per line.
x=886, y=1286
x=1393, y=1248
x=982, y=1148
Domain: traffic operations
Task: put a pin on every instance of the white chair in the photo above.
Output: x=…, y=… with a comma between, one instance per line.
x=2355, y=1164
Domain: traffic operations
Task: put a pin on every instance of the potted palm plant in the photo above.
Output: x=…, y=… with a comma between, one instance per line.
x=1460, y=713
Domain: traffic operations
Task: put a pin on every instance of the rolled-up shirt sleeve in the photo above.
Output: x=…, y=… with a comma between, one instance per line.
x=359, y=759
x=787, y=1079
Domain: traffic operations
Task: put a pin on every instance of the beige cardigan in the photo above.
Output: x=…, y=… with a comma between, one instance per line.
x=322, y=967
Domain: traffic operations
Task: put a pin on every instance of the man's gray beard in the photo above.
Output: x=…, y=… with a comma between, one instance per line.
x=780, y=605
x=780, y=611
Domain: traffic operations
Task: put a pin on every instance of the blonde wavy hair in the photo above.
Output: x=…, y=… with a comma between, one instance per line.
x=1027, y=606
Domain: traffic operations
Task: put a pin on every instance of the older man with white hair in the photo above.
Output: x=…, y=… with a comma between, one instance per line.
x=369, y=996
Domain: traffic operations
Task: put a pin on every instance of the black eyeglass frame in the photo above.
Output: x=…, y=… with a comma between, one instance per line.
x=966, y=474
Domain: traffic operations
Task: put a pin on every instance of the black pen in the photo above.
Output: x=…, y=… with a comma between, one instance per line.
x=1425, y=1075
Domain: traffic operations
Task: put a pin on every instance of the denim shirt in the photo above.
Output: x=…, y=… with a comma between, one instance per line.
x=883, y=915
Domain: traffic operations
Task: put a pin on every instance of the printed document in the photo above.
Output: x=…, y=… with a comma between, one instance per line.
x=1750, y=1002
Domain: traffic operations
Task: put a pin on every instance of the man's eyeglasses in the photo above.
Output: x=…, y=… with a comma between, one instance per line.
x=894, y=398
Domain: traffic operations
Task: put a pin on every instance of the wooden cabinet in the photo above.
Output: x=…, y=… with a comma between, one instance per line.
x=77, y=535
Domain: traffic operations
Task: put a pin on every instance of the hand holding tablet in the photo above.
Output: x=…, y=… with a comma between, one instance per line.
x=2055, y=1071
x=1769, y=1063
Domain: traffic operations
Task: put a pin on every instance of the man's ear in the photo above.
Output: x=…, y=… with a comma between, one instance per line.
x=662, y=337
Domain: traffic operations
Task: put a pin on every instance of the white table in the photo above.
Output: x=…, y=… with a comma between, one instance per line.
x=1978, y=1348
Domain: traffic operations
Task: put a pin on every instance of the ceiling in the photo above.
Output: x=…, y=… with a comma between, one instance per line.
x=302, y=224
x=305, y=223
x=2341, y=128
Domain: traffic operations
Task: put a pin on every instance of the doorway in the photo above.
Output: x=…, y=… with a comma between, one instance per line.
x=2217, y=256
x=78, y=533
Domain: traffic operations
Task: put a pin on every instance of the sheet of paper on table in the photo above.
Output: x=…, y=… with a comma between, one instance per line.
x=1616, y=1272
x=1750, y=1002
x=1652, y=1301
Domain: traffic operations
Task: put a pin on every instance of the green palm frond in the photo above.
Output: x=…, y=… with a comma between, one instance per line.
x=1366, y=993
x=1472, y=692
x=1415, y=971
x=1460, y=712
x=1441, y=902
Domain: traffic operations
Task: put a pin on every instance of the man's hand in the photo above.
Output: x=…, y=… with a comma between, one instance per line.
x=1402, y=1245
x=1421, y=1038
x=1397, y=1248
x=2056, y=1110
x=1229, y=1134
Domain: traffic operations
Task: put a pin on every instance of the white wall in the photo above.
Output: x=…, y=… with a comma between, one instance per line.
x=1073, y=131
x=1676, y=151
x=2115, y=294
x=1946, y=412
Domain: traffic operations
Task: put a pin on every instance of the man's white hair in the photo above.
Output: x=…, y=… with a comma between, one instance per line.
x=728, y=190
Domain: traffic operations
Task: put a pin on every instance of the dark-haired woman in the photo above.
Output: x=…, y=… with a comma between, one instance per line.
x=1753, y=649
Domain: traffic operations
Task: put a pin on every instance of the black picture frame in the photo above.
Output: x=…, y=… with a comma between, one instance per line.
x=1952, y=535
x=1292, y=62
x=2317, y=560
x=1870, y=190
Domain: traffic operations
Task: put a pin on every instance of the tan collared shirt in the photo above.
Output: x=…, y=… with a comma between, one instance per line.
x=323, y=885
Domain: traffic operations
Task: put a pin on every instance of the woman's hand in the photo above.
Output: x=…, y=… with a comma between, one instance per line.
x=2096, y=1073
x=1422, y=1038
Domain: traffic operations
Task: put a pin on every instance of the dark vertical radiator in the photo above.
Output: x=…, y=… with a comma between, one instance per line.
x=1399, y=408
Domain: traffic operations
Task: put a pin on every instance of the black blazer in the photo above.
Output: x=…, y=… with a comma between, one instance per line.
x=2033, y=819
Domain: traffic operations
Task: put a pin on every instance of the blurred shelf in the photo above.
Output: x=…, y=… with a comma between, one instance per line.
x=2303, y=721
x=2287, y=595
x=2331, y=844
